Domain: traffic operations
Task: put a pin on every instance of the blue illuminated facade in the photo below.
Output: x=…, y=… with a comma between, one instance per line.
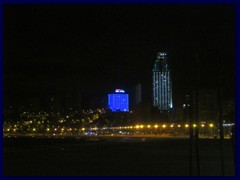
x=118, y=102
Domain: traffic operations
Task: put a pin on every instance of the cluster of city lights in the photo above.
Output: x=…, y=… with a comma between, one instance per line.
x=136, y=127
x=35, y=128
x=153, y=126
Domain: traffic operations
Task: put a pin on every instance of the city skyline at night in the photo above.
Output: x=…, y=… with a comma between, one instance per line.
x=52, y=54
x=119, y=89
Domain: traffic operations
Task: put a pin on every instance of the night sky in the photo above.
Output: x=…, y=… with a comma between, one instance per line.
x=92, y=49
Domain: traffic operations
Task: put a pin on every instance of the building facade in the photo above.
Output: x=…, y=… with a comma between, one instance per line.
x=119, y=101
x=138, y=94
x=162, y=84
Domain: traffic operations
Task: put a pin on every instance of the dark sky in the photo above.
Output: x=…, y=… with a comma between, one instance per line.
x=95, y=48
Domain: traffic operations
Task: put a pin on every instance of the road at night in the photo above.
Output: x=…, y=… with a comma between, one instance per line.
x=107, y=156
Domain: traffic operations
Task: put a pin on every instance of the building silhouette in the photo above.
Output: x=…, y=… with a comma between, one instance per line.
x=138, y=93
x=207, y=105
x=162, y=84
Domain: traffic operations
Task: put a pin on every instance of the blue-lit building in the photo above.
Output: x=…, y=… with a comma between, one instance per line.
x=162, y=84
x=119, y=101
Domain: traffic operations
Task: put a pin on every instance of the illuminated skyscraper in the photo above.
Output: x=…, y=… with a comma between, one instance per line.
x=118, y=101
x=162, y=84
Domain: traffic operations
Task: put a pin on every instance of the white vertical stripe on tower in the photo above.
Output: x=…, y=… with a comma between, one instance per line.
x=168, y=88
x=154, y=89
x=160, y=90
x=163, y=78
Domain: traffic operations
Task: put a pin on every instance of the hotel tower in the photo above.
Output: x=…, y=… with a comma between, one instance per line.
x=162, y=84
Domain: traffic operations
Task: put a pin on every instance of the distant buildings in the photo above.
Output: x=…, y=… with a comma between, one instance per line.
x=207, y=105
x=186, y=109
x=229, y=110
x=162, y=84
x=119, y=101
x=142, y=113
x=138, y=94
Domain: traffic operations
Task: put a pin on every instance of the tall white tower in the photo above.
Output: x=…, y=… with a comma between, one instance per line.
x=162, y=84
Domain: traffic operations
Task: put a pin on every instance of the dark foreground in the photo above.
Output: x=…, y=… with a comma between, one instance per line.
x=112, y=157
